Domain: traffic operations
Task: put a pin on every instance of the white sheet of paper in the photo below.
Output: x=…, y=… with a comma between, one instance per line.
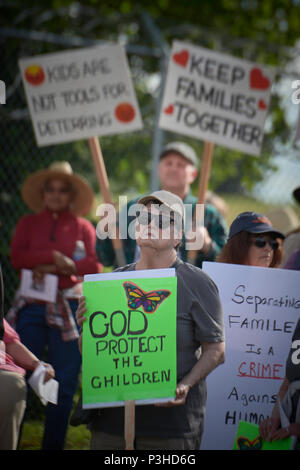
x=45, y=290
x=47, y=392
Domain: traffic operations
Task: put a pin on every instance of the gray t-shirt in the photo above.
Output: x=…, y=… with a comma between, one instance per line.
x=199, y=320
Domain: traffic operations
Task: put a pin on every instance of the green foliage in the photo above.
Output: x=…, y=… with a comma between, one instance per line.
x=253, y=29
x=269, y=26
x=78, y=438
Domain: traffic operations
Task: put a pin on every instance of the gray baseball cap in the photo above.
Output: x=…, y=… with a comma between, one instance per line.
x=169, y=200
x=185, y=150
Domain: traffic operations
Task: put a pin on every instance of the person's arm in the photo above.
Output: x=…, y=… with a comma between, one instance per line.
x=269, y=426
x=212, y=354
x=62, y=265
x=88, y=264
x=293, y=429
x=21, y=355
x=26, y=359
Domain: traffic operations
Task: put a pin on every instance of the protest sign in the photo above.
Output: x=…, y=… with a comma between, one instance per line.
x=78, y=94
x=45, y=289
x=248, y=438
x=261, y=309
x=216, y=97
x=129, y=338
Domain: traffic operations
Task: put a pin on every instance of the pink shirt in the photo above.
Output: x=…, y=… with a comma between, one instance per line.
x=6, y=361
x=38, y=235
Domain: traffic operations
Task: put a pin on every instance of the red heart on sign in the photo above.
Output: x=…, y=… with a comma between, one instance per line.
x=262, y=104
x=258, y=80
x=169, y=109
x=181, y=58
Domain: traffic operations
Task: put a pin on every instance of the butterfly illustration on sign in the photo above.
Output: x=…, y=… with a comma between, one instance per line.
x=245, y=444
x=137, y=297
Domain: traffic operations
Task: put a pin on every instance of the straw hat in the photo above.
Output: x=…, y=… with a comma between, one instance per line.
x=34, y=184
x=285, y=219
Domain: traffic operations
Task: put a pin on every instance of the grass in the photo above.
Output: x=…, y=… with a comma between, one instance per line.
x=78, y=438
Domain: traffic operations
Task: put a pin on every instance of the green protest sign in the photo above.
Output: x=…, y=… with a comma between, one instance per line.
x=248, y=438
x=129, y=339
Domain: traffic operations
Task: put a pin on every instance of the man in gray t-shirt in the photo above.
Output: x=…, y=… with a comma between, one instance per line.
x=200, y=345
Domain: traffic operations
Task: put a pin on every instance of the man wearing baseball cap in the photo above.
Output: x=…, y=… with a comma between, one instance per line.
x=177, y=170
x=178, y=424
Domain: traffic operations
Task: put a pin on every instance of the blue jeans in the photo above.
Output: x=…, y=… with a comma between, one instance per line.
x=65, y=358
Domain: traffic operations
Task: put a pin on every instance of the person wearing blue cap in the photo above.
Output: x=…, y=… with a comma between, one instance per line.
x=252, y=241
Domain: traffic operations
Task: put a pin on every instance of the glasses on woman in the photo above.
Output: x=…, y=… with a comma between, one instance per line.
x=261, y=243
x=161, y=221
x=60, y=190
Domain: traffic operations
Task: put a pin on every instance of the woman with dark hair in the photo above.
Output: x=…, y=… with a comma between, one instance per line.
x=252, y=241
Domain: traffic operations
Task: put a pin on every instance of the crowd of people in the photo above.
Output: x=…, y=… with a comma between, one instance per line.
x=57, y=239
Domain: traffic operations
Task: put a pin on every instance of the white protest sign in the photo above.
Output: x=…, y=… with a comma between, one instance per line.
x=261, y=310
x=215, y=97
x=79, y=94
x=45, y=289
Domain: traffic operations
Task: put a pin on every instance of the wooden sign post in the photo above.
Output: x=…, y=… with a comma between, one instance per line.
x=105, y=191
x=129, y=424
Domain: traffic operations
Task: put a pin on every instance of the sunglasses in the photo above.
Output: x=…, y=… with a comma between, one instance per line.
x=63, y=190
x=161, y=221
x=261, y=243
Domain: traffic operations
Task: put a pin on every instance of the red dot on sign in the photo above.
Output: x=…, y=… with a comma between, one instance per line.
x=169, y=109
x=125, y=112
x=35, y=75
x=181, y=58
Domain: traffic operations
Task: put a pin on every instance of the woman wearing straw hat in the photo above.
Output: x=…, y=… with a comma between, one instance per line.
x=55, y=239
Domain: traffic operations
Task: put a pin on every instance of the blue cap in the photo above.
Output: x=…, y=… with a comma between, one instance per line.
x=254, y=223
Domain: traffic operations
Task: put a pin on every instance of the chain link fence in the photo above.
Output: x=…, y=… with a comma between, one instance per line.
x=20, y=155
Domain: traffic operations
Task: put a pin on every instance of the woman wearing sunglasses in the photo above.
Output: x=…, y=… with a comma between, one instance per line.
x=253, y=241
